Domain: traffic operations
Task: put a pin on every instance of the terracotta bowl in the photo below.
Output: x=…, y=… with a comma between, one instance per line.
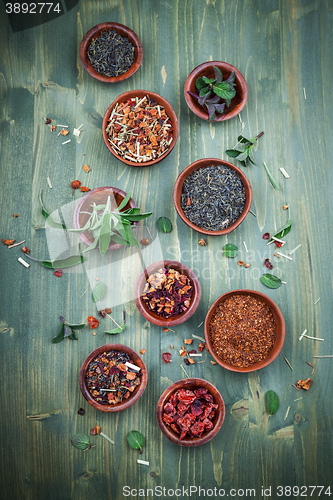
x=207, y=162
x=155, y=318
x=138, y=391
x=191, y=384
x=206, y=69
x=99, y=196
x=280, y=330
x=122, y=31
x=140, y=94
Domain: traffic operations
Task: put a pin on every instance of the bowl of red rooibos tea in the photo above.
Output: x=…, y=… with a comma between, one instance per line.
x=190, y=412
x=112, y=377
x=167, y=293
x=244, y=330
x=111, y=52
x=140, y=128
x=212, y=196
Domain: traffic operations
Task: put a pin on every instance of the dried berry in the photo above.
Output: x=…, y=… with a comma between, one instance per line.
x=266, y=236
x=15, y=215
x=145, y=241
x=47, y=121
x=64, y=132
x=202, y=242
x=102, y=313
x=268, y=264
x=240, y=263
x=278, y=244
x=25, y=250
x=76, y=184
x=58, y=273
x=107, y=310
x=166, y=357
x=81, y=411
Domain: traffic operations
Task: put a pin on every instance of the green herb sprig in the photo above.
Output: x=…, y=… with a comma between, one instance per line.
x=283, y=232
x=67, y=331
x=214, y=93
x=115, y=225
x=243, y=150
x=51, y=222
x=119, y=328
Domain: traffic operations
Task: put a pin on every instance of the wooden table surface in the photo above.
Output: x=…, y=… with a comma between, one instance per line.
x=283, y=49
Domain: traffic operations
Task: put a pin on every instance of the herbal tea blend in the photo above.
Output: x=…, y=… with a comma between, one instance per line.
x=139, y=130
x=167, y=293
x=110, y=54
x=109, y=380
x=213, y=197
x=242, y=330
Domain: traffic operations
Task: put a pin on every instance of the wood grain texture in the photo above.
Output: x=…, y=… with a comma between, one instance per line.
x=283, y=49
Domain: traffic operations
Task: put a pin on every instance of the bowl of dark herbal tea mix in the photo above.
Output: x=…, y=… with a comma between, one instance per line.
x=212, y=196
x=140, y=128
x=98, y=197
x=167, y=293
x=190, y=412
x=112, y=377
x=111, y=52
x=224, y=72
x=244, y=330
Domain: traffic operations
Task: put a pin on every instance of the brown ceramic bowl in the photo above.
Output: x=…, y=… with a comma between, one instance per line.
x=136, y=394
x=155, y=318
x=191, y=384
x=280, y=330
x=207, y=162
x=206, y=69
x=122, y=31
x=99, y=196
x=140, y=94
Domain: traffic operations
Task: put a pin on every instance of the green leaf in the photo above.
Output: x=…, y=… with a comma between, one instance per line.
x=124, y=202
x=230, y=250
x=251, y=157
x=204, y=91
x=119, y=239
x=136, y=440
x=272, y=402
x=164, y=224
x=135, y=218
x=284, y=231
x=73, y=336
x=81, y=442
x=67, y=331
x=116, y=330
x=60, y=336
x=98, y=292
x=224, y=90
x=105, y=235
x=274, y=183
x=218, y=74
x=73, y=260
x=233, y=153
x=243, y=139
x=243, y=156
x=200, y=83
x=271, y=281
x=51, y=222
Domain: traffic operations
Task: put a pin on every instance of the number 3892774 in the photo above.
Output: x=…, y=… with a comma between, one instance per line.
x=33, y=8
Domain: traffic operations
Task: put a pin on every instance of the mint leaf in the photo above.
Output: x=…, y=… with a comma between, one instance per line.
x=271, y=281
x=230, y=250
x=136, y=440
x=224, y=90
x=272, y=402
x=164, y=224
x=98, y=292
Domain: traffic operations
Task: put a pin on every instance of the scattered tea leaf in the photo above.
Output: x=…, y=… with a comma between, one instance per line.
x=73, y=260
x=284, y=231
x=136, y=440
x=164, y=224
x=116, y=330
x=51, y=222
x=81, y=442
x=230, y=250
x=272, y=402
x=274, y=183
x=98, y=292
x=67, y=330
x=270, y=280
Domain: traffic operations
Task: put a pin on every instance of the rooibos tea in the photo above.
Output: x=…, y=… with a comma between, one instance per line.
x=213, y=197
x=110, y=54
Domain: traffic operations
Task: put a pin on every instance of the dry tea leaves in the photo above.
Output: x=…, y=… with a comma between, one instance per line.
x=272, y=402
x=136, y=440
x=81, y=442
x=230, y=250
x=270, y=280
x=164, y=224
x=98, y=292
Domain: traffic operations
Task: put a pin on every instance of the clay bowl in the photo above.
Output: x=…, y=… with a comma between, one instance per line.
x=99, y=196
x=122, y=31
x=191, y=384
x=155, y=318
x=140, y=94
x=280, y=331
x=206, y=69
x=206, y=162
x=136, y=394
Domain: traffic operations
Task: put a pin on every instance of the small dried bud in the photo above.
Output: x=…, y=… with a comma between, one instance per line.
x=47, y=121
x=93, y=431
x=213, y=362
x=25, y=250
x=107, y=310
x=165, y=330
x=240, y=263
x=7, y=242
x=53, y=128
x=186, y=361
x=201, y=347
x=188, y=341
x=202, y=242
x=81, y=411
x=76, y=184
x=15, y=215
x=102, y=313
x=84, y=189
x=285, y=207
x=86, y=168
x=145, y=241
x=247, y=265
x=64, y=132
x=58, y=273
x=98, y=429
x=143, y=351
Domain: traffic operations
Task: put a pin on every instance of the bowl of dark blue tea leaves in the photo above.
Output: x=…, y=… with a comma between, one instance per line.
x=212, y=196
x=111, y=52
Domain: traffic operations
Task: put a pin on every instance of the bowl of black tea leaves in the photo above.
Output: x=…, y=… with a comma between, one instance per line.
x=111, y=52
x=212, y=196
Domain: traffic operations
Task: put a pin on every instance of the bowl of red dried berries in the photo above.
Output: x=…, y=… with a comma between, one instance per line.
x=111, y=52
x=112, y=377
x=212, y=196
x=167, y=293
x=140, y=128
x=190, y=412
x=244, y=330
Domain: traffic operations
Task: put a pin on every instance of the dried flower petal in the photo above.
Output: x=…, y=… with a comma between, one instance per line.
x=85, y=189
x=7, y=242
x=188, y=341
x=15, y=215
x=76, y=184
x=58, y=273
x=143, y=351
x=86, y=168
x=240, y=263
x=64, y=132
x=202, y=242
x=25, y=250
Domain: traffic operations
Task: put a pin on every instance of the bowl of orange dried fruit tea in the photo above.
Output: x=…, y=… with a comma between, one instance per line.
x=190, y=412
x=167, y=293
x=244, y=330
x=112, y=377
x=140, y=128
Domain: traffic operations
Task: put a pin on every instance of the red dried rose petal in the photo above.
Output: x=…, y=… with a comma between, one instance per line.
x=93, y=322
x=166, y=357
x=58, y=273
x=167, y=419
x=268, y=264
x=266, y=236
x=197, y=407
